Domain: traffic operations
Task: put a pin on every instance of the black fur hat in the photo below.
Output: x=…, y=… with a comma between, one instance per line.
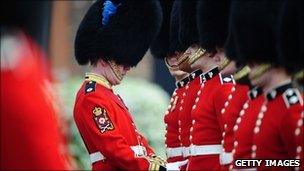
x=290, y=33
x=188, y=33
x=126, y=36
x=175, y=44
x=212, y=22
x=254, y=25
x=160, y=46
x=167, y=42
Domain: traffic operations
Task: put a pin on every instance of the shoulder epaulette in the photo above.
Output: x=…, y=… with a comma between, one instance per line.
x=227, y=79
x=90, y=87
x=292, y=96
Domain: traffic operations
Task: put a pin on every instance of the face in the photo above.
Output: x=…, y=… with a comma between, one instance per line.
x=173, y=61
x=230, y=69
x=119, y=71
x=113, y=72
x=260, y=80
x=185, y=66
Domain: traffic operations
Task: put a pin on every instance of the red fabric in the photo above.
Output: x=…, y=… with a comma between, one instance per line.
x=239, y=97
x=244, y=133
x=171, y=121
x=30, y=136
x=185, y=114
x=232, y=110
x=208, y=126
x=113, y=144
x=204, y=163
x=276, y=139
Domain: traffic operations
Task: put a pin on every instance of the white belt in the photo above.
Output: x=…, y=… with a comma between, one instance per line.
x=174, y=152
x=226, y=158
x=196, y=150
x=178, y=151
x=98, y=156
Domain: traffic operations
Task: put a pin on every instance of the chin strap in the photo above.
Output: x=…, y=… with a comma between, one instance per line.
x=241, y=73
x=199, y=53
x=224, y=64
x=115, y=70
x=171, y=67
x=299, y=75
x=260, y=71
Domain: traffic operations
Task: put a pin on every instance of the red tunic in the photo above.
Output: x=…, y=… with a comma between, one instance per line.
x=245, y=124
x=276, y=126
x=207, y=121
x=30, y=132
x=230, y=113
x=172, y=136
x=107, y=129
x=185, y=112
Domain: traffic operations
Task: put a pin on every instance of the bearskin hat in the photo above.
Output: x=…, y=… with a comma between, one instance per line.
x=175, y=44
x=289, y=36
x=119, y=30
x=188, y=33
x=160, y=46
x=212, y=22
x=254, y=26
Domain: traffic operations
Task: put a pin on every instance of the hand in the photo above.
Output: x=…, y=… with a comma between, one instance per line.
x=176, y=165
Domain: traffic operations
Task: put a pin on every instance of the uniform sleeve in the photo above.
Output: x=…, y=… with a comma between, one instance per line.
x=109, y=141
x=150, y=151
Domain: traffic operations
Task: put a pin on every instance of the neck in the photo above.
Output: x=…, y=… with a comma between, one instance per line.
x=277, y=79
x=208, y=67
x=99, y=71
x=103, y=72
x=180, y=77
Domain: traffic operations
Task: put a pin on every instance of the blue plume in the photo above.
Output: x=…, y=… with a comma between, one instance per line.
x=109, y=9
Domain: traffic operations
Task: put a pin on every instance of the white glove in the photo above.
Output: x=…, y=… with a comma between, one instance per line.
x=176, y=165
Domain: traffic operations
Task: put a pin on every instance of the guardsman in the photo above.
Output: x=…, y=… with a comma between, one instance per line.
x=167, y=47
x=189, y=36
x=206, y=121
x=113, y=36
x=291, y=48
x=275, y=127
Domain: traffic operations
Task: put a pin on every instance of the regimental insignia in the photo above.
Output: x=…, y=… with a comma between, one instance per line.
x=90, y=87
x=291, y=97
x=227, y=79
x=102, y=119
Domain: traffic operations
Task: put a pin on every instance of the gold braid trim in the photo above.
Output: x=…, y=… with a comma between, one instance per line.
x=99, y=79
x=199, y=53
x=241, y=73
x=115, y=70
x=156, y=162
x=260, y=71
x=299, y=75
x=225, y=63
